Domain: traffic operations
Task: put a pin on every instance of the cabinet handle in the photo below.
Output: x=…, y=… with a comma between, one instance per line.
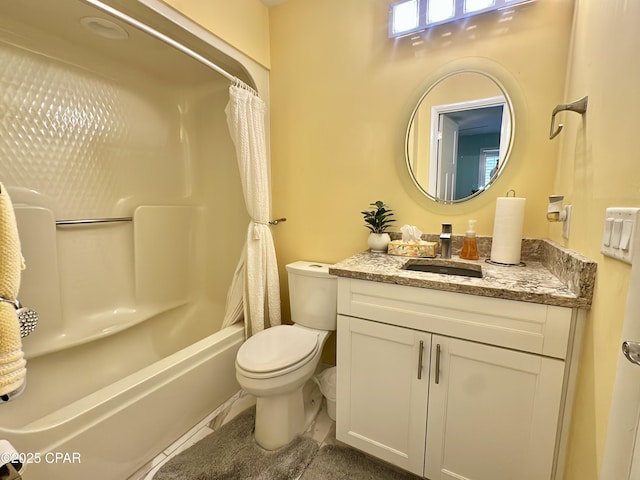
x=421, y=350
x=437, y=364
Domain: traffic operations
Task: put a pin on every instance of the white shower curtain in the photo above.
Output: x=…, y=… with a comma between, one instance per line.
x=255, y=290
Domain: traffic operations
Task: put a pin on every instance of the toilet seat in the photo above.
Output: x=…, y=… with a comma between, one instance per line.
x=277, y=351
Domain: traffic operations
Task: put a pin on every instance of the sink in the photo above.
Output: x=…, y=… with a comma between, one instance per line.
x=446, y=267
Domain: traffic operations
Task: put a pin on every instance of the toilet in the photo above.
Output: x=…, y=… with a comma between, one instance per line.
x=275, y=364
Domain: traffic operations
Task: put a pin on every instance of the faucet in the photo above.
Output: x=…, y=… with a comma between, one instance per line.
x=445, y=241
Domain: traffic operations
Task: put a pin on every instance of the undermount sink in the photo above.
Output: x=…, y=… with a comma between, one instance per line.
x=446, y=267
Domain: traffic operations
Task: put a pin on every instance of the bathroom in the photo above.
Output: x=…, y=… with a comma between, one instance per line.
x=341, y=93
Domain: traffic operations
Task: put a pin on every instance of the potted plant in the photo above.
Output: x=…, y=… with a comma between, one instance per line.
x=377, y=221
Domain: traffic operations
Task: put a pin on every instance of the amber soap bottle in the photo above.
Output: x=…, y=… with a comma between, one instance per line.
x=469, y=244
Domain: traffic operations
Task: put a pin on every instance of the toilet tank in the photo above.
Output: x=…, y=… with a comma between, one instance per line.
x=312, y=295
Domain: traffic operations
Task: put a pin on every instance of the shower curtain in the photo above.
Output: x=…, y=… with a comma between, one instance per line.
x=255, y=290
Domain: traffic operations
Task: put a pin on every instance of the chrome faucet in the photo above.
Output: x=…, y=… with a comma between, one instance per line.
x=445, y=241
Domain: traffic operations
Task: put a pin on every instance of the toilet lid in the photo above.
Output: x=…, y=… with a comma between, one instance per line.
x=277, y=348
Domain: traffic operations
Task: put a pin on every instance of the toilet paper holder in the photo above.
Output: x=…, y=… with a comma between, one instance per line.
x=9, y=472
x=556, y=212
x=12, y=469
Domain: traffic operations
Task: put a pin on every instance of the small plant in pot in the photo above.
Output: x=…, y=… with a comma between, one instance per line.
x=377, y=221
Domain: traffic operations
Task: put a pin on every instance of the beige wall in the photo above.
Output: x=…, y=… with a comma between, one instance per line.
x=598, y=168
x=241, y=23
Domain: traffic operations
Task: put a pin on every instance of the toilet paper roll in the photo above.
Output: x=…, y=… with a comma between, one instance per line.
x=506, y=245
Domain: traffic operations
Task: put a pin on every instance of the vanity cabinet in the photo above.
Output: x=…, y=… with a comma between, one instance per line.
x=452, y=386
x=382, y=390
x=493, y=413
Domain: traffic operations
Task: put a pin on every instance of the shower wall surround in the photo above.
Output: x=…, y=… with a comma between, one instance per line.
x=92, y=139
x=71, y=135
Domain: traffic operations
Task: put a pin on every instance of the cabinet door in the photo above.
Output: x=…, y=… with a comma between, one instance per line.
x=493, y=413
x=382, y=392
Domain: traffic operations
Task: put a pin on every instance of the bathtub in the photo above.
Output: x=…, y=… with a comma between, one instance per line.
x=64, y=432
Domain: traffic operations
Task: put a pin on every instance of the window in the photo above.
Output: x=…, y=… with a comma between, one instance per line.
x=409, y=16
x=488, y=165
x=404, y=17
x=472, y=6
x=440, y=10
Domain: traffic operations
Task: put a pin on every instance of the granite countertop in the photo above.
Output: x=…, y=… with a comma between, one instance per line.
x=550, y=275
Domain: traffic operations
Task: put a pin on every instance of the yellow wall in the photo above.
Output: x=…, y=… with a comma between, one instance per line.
x=241, y=23
x=342, y=93
x=341, y=96
x=598, y=168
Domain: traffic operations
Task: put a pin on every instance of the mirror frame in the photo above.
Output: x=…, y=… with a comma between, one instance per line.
x=508, y=149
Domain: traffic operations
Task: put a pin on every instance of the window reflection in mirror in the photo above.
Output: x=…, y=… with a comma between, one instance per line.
x=459, y=137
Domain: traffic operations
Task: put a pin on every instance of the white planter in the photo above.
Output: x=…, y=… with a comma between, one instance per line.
x=378, y=242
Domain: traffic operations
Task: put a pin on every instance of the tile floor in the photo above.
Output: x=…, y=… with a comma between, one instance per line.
x=321, y=430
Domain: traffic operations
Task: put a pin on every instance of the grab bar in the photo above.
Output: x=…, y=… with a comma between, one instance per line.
x=579, y=106
x=86, y=221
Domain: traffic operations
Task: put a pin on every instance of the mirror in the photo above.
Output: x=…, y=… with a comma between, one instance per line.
x=459, y=136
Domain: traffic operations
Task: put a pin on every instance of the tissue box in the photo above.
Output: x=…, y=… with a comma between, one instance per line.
x=422, y=249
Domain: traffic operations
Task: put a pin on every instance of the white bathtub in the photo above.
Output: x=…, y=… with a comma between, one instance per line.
x=109, y=433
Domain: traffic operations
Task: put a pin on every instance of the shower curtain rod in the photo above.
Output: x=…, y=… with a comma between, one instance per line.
x=169, y=41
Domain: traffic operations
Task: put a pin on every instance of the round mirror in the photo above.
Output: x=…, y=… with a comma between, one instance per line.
x=459, y=136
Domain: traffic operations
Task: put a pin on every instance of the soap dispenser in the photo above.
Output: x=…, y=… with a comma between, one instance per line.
x=470, y=245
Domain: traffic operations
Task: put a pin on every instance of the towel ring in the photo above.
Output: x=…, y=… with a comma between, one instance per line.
x=27, y=318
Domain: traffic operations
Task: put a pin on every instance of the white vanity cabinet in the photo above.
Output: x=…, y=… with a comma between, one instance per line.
x=452, y=386
x=493, y=413
x=383, y=373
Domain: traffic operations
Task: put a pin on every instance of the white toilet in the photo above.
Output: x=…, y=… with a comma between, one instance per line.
x=274, y=364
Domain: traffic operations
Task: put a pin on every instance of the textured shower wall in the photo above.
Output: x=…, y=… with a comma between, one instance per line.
x=78, y=144
x=89, y=145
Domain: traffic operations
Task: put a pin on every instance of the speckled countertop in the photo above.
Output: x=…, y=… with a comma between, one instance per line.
x=552, y=275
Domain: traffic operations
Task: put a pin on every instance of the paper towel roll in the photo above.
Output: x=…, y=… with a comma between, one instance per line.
x=507, y=230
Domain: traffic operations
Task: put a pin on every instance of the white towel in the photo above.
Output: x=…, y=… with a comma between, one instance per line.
x=12, y=362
